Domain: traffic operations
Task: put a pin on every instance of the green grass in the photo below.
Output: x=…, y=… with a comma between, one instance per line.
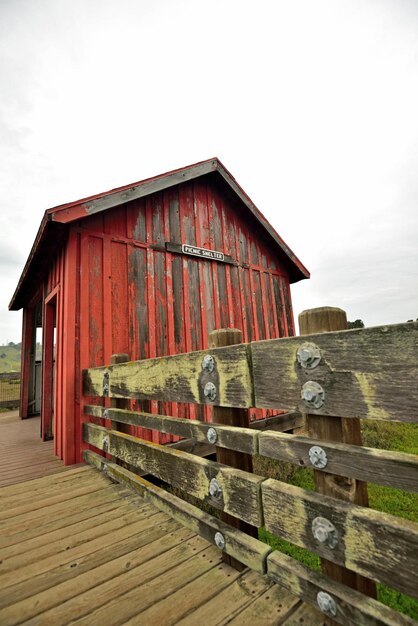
x=10, y=358
x=384, y=435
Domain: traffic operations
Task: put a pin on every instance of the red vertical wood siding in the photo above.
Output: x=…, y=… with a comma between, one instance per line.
x=137, y=298
x=120, y=291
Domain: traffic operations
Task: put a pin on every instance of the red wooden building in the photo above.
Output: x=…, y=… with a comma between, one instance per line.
x=148, y=269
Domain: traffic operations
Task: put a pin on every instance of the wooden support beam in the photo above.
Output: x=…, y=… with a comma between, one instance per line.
x=330, y=428
x=237, y=418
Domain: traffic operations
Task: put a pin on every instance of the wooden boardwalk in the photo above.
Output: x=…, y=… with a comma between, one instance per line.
x=23, y=455
x=77, y=549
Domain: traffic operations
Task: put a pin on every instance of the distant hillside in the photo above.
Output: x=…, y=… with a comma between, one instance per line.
x=10, y=358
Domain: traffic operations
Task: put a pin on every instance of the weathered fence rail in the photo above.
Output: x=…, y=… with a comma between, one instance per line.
x=9, y=390
x=363, y=373
x=368, y=374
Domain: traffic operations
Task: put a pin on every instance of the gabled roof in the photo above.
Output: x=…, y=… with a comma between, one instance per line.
x=53, y=229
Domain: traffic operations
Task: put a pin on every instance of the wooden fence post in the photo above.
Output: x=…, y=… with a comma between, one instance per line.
x=345, y=430
x=232, y=417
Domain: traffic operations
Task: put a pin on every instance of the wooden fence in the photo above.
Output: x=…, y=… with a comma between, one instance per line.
x=9, y=390
x=358, y=374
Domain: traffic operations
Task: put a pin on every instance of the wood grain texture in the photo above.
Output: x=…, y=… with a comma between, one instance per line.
x=238, y=419
x=240, y=490
x=353, y=608
x=374, y=544
x=366, y=373
x=178, y=378
x=246, y=549
x=392, y=469
x=242, y=439
x=340, y=429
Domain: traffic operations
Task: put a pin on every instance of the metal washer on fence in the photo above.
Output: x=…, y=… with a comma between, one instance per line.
x=318, y=457
x=211, y=435
x=208, y=363
x=210, y=391
x=220, y=540
x=215, y=489
x=326, y=603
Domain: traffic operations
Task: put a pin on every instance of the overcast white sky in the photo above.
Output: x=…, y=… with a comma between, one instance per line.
x=313, y=107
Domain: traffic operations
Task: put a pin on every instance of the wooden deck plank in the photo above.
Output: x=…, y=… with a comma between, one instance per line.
x=77, y=548
x=305, y=614
x=45, y=602
x=274, y=605
x=108, y=602
x=109, y=497
x=195, y=593
x=79, y=524
x=41, y=481
x=108, y=523
x=33, y=505
x=104, y=541
x=23, y=456
x=46, y=513
x=156, y=581
x=35, y=492
x=229, y=602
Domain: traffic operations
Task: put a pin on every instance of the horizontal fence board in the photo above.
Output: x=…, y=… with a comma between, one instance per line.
x=178, y=378
x=252, y=552
x=392, y=469
x=365, y=373
x=353, y=608
x=241, y=496
x=280, y=423
x=372, y=543
x=241, y=439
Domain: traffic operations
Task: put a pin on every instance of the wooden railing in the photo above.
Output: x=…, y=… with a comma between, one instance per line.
x=358, y=374
x=9, y=390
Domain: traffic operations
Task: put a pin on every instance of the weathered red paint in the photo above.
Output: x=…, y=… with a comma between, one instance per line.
x=116, y=289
